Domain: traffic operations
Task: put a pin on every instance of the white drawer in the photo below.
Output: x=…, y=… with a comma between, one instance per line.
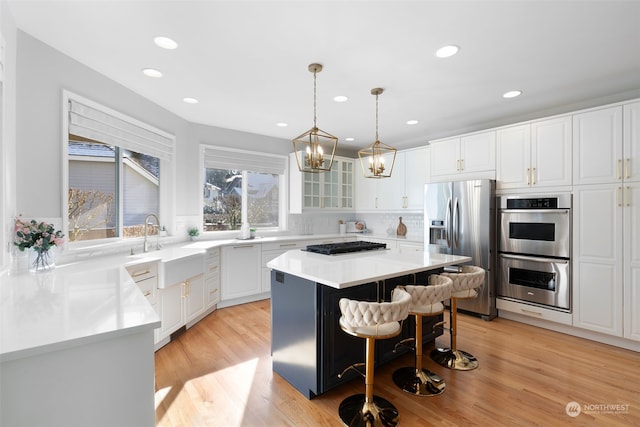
x=534, y=311
x=148, y=287
x=143, y=271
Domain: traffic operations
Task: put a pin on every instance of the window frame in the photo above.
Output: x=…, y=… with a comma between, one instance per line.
x=166, y=182
x=283, y=189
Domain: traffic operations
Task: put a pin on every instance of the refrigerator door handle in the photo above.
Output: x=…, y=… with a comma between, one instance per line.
x=447, y=225
x=456, y=224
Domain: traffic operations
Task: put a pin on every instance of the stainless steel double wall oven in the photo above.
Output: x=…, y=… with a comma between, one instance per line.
x=535, y=250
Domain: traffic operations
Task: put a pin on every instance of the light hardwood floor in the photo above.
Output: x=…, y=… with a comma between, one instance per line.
x=218, y=373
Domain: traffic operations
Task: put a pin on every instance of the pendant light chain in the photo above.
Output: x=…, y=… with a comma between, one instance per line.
x=315, y=115
x=377, y=139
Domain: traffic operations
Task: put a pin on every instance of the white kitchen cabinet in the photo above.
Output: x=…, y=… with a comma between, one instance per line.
x=195, y=297
x=404, y=246
x=241, y=271
x=464, y=157
x=146, y=277
x=597, y=259
x=631, y=261
x=403, y=190
x=180, y=304
x=212, y=276
x=535, y=155
x=598, y=146
x=328, y=190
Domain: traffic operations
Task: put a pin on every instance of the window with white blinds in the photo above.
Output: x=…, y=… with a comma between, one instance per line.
x=111, y=127
x=225, y=158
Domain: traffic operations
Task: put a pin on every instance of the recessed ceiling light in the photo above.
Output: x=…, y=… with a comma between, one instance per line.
x=190, y=100
x=150, y=72
x=350, y=139
x=412, y=122
x=512, y=94
x=165, y=42
x=340, y=98
x=447, y=51
x=282, y=125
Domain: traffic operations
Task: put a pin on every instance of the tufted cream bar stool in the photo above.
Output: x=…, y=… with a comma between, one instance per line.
x=425, y=301
x=465, y=285
x=372, y=321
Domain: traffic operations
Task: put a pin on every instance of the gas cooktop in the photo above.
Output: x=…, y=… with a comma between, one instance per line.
x=345, y=247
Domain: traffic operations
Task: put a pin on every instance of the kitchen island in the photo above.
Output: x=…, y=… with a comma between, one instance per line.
x=308, y=347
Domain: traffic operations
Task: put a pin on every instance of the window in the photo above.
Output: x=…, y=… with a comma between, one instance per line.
x=242, y=187
x=114, y=173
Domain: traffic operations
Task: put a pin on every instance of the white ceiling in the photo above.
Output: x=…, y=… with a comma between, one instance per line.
x=246, y=61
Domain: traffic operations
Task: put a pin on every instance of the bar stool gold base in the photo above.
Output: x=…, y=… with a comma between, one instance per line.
x=418, y=383
x=454, y=359
x=356, y=412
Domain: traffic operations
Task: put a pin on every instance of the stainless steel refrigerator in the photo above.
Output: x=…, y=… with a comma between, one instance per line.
x=460, y=219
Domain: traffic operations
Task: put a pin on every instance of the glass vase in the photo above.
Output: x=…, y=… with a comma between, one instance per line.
x=41, y=260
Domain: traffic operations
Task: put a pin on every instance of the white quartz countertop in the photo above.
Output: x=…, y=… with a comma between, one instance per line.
x=346, y=270
x=75, y=304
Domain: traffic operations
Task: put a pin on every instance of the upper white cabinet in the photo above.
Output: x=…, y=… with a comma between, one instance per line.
x=465, y=157
x=607, y=221
x=404, y=190
x=327, y=190
x=597, y=146
x=535, y=154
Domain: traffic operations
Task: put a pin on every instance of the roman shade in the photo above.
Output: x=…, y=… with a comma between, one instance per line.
x=224, y=158
x=118, y=130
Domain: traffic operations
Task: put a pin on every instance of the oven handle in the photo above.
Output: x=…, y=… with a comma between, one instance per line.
x=543, y=211
x=535, y=259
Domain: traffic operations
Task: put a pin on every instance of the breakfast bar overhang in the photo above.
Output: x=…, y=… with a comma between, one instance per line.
x=308, y=347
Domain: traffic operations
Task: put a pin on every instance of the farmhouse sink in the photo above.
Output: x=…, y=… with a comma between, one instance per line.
x=176, y=264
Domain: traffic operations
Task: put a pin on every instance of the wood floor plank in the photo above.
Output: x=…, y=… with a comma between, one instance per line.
x=219, y=373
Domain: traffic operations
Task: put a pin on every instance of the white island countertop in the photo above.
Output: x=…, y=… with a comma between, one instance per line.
x=73, y=305
x=346, y=270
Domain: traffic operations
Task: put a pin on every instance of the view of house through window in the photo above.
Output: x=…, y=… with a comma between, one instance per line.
x=99, y=207
x=224, y=199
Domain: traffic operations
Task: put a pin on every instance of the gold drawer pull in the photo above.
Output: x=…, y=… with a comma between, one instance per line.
x=531, y=312
x=146, y=294
x=141, y=273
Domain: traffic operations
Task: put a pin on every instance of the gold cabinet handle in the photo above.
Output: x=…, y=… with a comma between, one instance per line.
x=627, y=196
x=618, y=168
x=528, y=176
x=140, y=273
x=146, y=294
x=619, y=196
x=627, y=168
x=461, y=165
x=533, y=176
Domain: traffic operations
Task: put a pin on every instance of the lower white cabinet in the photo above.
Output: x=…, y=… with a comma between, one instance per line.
x=410, y=246
x=606, y=261
x=241, y=272
x=181, y=303
x=212, y=276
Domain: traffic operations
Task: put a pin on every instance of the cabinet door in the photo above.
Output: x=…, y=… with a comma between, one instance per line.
x=416, y=175
x=632, y=261
x=597, y=260
x=478, y=152
x=551, y=152
x=331, y=187
x=631, y=137
x=311, y=187
x=445, y=157
x=195, y=297
x=170, y=305
x=597, y=146
x=513, y=157
x=240, y=271
x=366, y=191
x=346, y=184
x=391, y=190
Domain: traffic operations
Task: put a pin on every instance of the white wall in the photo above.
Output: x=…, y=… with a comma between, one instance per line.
x=8, y=166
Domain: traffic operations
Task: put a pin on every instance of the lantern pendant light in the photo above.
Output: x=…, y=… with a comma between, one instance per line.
x=377, y=160
x=315, y=149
